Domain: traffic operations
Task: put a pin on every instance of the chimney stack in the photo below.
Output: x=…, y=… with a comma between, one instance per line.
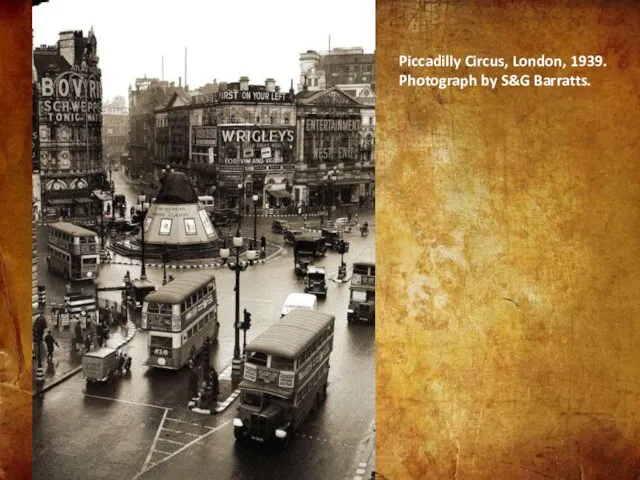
x=270, y=84
x=244, y=84
x=67, y=46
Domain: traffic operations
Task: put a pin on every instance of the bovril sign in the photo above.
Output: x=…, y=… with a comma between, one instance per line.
x=71, y=97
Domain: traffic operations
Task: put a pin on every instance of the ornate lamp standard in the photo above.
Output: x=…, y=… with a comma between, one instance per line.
x=237, y=267
x=144, y=207
x=254, y=244
x=165, y=259
x=330, y=177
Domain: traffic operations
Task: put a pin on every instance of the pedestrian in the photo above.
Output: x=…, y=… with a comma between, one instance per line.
x=214, y=382
x=193, y=380
x=263, y=247
x=88, y=343
x=50, y=341
x=349, y=216
x=247, y=209
x=356, y=218
x=77, y=336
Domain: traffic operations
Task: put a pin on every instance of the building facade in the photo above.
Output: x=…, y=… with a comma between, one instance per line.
x=235, y=141
x=69, y=97
x=115, y=131
x=335, y=161
x=149, y=95
x=337, y=67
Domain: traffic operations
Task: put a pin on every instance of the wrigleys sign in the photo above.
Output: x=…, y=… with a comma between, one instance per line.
x=72, y=96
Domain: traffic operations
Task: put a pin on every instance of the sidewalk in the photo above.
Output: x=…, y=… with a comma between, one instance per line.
x=66, y=361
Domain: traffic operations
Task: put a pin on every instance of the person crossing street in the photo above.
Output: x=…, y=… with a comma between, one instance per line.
x=50, y=342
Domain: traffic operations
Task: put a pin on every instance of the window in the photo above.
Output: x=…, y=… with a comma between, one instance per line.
x=165, y=226
x=190, y=226
x=281, y=363
x=258, y=358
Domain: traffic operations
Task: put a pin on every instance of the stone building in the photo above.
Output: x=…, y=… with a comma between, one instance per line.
x=115, y=131
x=238, y=135
x=69, y=98
x=334, y=152
x=149, y=95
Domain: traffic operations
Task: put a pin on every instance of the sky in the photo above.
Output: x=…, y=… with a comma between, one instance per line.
x=224, y=40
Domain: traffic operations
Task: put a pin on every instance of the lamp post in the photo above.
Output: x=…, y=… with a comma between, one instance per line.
x=237, y=267
x=255, y=221
x=144, y=206
x=330, y=177
x=240, y=205
x=165, y=259
x=127, y=284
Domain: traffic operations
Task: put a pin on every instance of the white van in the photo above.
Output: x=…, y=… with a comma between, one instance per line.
x=299, y=301
x=206, y=202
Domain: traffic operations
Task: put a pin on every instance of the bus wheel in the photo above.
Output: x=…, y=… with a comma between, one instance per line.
x=324, y=392
x=283, y=443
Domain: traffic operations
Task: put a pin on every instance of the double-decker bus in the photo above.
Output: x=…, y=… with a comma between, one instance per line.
x=179, y=317
x=362, y=291
x=73, y=251
x=285, y=376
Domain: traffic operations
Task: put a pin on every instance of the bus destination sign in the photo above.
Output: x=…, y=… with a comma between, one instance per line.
x=268, y=376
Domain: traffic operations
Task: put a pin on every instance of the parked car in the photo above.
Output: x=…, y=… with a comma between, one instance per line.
x=279, y=226
x=332, y=238
x=314, y=281
x=291, y=235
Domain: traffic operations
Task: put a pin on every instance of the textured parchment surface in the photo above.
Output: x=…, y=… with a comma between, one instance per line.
x=508, y=247
x=15, y=240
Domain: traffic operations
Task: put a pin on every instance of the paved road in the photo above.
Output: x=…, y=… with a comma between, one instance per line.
x=120, y=430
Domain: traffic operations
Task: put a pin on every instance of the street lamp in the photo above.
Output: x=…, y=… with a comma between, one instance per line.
x=165, y=259
x=240, y=205
x=330, y=178
x=237, y=267
x=255, y=221
x=144, y=206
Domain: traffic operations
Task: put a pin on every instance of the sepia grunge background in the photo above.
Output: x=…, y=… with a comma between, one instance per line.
x=15, y=240
x=508, y=247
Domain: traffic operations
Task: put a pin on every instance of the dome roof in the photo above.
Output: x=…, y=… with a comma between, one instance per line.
x=176, y=189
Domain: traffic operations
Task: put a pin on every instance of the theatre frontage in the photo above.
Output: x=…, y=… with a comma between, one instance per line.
x=333, y=165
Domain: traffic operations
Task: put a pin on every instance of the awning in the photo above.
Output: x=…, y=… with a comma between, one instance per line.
x=59, y=201
x=83, y=200
x=279, y=193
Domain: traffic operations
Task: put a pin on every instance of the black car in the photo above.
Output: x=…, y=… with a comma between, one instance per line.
x=290, y=236
x=333, y=239
x=305, y=250
x=279, y=226
x=314, y=281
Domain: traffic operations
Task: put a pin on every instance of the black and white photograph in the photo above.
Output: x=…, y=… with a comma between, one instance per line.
x=204, y=240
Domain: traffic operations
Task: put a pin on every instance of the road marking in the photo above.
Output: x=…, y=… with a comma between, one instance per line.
x=181, y=432
x=153, y=444
x=171, y=441
x=160, y=451
x=189, y=423
x=148, y=465
x=126, y=401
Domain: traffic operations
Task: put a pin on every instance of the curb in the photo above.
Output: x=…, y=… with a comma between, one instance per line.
x=131, y=332
x=200, y=265
x=221, y=406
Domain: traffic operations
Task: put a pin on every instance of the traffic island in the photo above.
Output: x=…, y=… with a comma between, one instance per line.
x=227, y=394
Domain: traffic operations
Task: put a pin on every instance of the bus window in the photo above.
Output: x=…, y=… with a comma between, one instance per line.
x=281, y=363
x=258, y=358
